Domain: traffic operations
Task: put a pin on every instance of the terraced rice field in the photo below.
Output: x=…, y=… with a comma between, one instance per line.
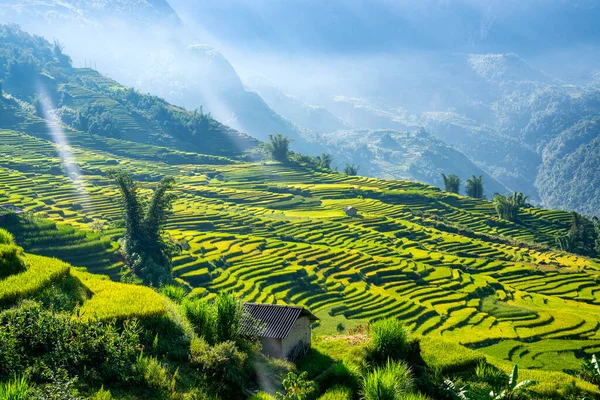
x=444, y=264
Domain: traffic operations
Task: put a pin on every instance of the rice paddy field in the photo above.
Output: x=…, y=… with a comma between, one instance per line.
x=444, y=264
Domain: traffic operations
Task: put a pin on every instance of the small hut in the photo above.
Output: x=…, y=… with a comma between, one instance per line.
x=284, y=331
x=351, y=211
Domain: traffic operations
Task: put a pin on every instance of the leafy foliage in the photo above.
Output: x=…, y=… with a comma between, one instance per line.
x=324, y=160
x=508, y=207
x=279, y=147
x=583, y=237
x=351, y=169
x=222, y=367
x=512, y=390
x=37, y=340
x=474, y=187
x=218, y=320
x=297, y=387
x=451, y=183
x=590, y=370
x=147, y=253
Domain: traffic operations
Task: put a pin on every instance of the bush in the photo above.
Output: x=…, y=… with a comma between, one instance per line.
x=337, y=393
x=201, y=315
x=6, y=237
x=389, y=340
x=102, y=394
x=222, y=367
x=152, y=373
x=216, y=321
x=297, y=387
x=38, y=341
x=390, y=382
x=10, y=259
x=229, y=314
x=15, y=389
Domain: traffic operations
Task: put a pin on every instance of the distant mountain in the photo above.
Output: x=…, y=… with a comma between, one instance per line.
x=314, y=118
x=527, y=129
x=86, y=11
x=164, y=60
x=414, y=155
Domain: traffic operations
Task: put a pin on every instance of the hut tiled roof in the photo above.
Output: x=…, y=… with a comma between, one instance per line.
x=272, y=320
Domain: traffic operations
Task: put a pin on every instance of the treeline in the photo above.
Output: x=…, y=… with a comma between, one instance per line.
x=278, y=149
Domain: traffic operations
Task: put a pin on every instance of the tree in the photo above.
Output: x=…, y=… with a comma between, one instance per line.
x=351, y=170
x=508, y=207
x=324, y=161
x=279, y=146
x=452, y=183
x=474, y=187
x=583, y=237
x=146, y=251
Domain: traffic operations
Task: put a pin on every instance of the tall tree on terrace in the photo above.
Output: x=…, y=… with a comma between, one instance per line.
x=583, y=237
x=146, y=252
x=279, y=146
x=474, y=187
x=508, y=207
x=351, y=169
x=452, y=183
x=324, y=160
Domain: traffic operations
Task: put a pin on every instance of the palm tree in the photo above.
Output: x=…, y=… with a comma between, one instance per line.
x=452, y=183
x=351, y=169
x=279, y=146
x=508, y=207
x=474, y=187
x=324, y=160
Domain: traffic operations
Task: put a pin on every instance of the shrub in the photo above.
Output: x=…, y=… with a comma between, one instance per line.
x=38, y=340
x=216, y=321
x=590, y=370
x=201, y=315
x=6, y=237
x=102, y=394
x=15, y=389
x=10, y=259
x=222, y=367
x=229, y=314
x=297, y=387
x=389, y=340
x=337, y=393
x=389, y=382
x=151, y=372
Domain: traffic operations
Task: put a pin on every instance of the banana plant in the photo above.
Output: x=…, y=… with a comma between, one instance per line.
x=513, y=387
x=591, y=370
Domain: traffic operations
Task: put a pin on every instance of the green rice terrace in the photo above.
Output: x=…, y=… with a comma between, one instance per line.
x=444, y=264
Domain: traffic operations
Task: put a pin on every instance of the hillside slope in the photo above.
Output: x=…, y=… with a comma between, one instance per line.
x=442, y=263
